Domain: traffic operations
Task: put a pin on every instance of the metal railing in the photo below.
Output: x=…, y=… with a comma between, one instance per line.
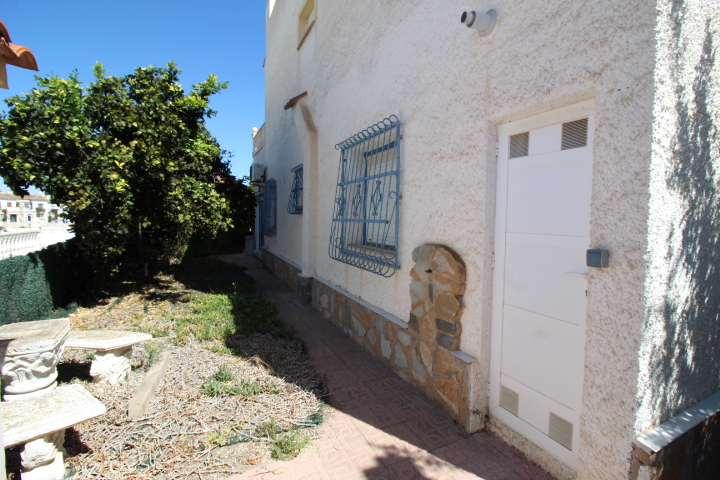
x=365, y=225
x=295, y=203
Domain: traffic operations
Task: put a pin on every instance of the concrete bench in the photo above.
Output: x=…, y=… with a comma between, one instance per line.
x=113, y=350
x=29, y=354
x=39, y=422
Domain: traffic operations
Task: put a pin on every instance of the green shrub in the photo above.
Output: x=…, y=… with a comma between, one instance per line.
x=223, y=374
x=42, y=284
x=245, y=388
x=288, y=445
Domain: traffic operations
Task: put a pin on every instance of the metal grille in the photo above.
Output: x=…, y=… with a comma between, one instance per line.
x=561, y=431
x=364, y=230
x=509, y=400
x=574, y=134
x=268, y=211
x=295, y=204
x=519, y=145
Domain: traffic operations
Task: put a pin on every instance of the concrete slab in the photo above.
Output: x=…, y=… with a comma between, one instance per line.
x=32, y=418
x=104, y=339
x=28, y=337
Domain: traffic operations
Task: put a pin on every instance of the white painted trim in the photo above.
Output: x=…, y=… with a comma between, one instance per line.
x=666, y=433
x=382, y=313
x=564, y=114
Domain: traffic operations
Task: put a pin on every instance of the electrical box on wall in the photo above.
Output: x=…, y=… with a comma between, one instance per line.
x=257, y=173
x=598, y=258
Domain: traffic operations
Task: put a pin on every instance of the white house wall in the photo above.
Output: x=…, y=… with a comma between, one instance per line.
x=280, y=154
x=364, y=61
x=680, y=362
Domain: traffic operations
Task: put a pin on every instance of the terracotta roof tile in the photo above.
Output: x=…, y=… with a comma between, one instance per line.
x=13, y=54
x=4, y=31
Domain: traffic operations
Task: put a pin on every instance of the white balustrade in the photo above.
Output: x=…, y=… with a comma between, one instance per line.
x=24, y=241
x=19, y=243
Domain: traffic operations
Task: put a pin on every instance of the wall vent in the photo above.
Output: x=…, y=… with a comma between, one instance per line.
x=574, y=134
x=519, y=145
x=561, y=431
x=509, y=400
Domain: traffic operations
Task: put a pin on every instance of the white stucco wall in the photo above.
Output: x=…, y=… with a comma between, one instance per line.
x=364, y=61
x=680, y=361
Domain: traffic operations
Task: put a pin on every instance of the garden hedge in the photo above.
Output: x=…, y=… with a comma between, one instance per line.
x=42, y=284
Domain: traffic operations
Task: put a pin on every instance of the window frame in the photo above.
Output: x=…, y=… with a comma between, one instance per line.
x=306, y=20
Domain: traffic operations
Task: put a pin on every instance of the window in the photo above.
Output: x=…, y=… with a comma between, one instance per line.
x=308, y=15
x=268, y=211
x=295, y=204
x=364, y=230
x=29, y=218
x=13, y=218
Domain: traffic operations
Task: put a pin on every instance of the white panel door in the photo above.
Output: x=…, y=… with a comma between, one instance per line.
x=540, y=277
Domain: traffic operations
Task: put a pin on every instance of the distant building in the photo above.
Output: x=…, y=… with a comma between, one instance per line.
x=30, y=211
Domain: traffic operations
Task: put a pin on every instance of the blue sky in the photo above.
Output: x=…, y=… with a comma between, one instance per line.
x=224, y=37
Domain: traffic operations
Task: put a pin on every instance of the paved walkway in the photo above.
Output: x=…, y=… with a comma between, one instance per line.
x=381, y=427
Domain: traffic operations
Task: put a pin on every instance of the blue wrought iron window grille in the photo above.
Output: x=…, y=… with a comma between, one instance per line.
x=295, y=204
x=268, y=210
x=364, y=231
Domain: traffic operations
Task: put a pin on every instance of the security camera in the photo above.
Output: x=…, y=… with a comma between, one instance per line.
x=484, y=23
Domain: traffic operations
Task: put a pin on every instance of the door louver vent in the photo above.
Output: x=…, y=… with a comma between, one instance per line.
x=574, y=134
x=561, y=431
x=519, y=145
x=509, y=400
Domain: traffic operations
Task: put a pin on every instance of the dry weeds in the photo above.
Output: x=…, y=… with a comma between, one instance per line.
x=186, y=434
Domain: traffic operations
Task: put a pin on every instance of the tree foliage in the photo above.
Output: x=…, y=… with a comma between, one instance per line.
x=129, y=157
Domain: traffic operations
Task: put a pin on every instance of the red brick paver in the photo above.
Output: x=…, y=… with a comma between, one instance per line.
x=381, y=428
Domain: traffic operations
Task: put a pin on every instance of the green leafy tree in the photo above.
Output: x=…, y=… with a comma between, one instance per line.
x=129, y=157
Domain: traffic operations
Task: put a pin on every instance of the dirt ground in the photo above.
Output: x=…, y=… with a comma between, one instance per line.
x=186, y=432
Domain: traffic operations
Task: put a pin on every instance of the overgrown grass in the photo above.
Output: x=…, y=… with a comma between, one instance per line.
x=219, y=384
x=153, y=350
x=268, y=429
x=223, y=374
x=212, y=276
x=214, y=318
x=288, y=445
x=284, y=444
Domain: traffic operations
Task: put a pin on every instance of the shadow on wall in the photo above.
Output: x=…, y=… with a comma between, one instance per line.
x=686, y=364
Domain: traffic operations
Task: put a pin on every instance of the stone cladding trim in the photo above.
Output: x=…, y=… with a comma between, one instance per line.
x=424, y=351
x=286, y=271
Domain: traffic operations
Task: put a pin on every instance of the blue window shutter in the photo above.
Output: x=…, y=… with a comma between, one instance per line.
x=268, y=220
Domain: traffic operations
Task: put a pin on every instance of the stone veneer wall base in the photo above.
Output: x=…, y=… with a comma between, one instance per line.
x=424, y=351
